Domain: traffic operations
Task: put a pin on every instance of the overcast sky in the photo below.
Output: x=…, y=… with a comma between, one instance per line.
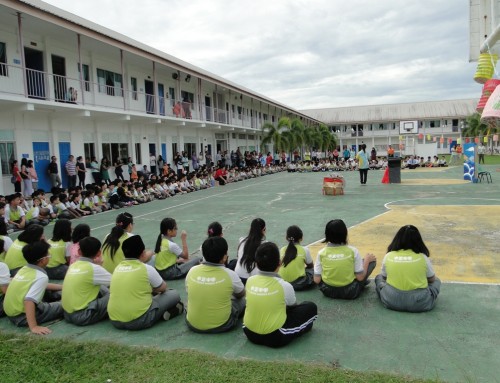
x=309, y=53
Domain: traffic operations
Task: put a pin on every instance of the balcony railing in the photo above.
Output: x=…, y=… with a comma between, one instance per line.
x=50, y=87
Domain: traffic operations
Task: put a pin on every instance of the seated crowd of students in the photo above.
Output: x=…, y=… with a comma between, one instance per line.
x=121, y=280
x=340, y=164
x=413, y=162
x=19, y=211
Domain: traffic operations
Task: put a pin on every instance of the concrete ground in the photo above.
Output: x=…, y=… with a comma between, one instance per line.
x=456, y=342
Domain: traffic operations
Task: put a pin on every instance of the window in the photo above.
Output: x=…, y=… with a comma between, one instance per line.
x=133, y=84
x=187, y=96
x=109, y=83
x=85, y=76
x=7, y=155
x=138, y=154
x=114, y=151
x=189, y=149
x=3, y=60
x=174, y=148
x=89, y=150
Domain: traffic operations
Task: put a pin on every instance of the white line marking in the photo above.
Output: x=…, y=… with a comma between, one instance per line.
x=187, y=203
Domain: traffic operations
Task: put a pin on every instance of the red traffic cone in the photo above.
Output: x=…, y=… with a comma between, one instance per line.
x=385, y=178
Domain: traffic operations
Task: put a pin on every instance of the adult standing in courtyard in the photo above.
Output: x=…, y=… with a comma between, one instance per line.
x=53, y=171
x=363, y=164
x=481, y=150
x=71, y=171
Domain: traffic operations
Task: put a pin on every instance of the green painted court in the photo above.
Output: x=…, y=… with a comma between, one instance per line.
x=456, y=342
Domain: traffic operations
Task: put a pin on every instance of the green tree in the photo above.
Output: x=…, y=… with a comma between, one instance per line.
x=474, y=126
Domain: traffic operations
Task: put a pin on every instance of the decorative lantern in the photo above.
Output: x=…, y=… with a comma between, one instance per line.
x=485, y=67
x=450, y=140
x=467, y=140
x=441, y=140
x=420, y=136
x=485, y=139
x=459, y=141
x=434, y=139
x=428, y=137
x=495, y=137
x=476, y=140
x=488, y=89
x=401, y=146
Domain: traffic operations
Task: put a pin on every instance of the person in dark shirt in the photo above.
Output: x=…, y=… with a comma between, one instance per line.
x=53, y=171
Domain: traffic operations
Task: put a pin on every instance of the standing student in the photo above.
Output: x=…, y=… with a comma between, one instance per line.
x=26, y=177
x=339, y=270
x=16, y=176
x=71, y=171
x=59, y=249
x=85, y=293
x=23, y=301
x=14, y=257
x=363, y=164
x=273, y=317
x=112, y=253
x=172, y=261
x=245, y=266
x=296, y=261
x=138, y=295
x=215, y=293
x=407, y=281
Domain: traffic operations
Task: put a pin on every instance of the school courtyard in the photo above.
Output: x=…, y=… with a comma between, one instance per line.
x=456, y=342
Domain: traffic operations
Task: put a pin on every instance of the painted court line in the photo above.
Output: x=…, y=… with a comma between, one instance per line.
x=188, y=203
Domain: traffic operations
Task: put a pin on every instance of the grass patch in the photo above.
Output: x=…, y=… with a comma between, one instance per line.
x=26, y=358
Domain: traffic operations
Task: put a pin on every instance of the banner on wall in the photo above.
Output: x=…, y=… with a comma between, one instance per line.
x=470, y=153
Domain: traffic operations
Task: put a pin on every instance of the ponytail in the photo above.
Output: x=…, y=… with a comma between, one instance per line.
x=165, y=225
x=293, y=235
x=290, y=253
x=112, y=241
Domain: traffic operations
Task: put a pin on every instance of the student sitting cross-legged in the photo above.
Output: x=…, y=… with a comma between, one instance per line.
x=215, y=293
x=23, y=300
x=138, y=295
x=85, y=288
x=272, y=316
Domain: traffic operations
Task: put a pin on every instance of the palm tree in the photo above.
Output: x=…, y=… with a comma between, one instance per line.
x=474, y=127
x=274, y=135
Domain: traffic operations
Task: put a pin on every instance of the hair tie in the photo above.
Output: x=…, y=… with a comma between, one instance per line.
x=119, y=224
x=210, y=231
x=291, y=239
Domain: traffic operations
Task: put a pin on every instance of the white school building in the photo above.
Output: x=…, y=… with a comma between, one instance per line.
x=70, y=86
x=419, y=127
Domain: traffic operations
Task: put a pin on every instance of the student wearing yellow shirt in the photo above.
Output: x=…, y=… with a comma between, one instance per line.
x=407, y=281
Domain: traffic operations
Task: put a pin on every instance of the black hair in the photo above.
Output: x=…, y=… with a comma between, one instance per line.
x=165, y=225
x=63, y=197
x=267, y=257
x=53, y=198
x=80, y=231
x=35, y=251
x=336, y=232
x=3, y=228
x=112, y=241
x=293, y=235
x=62, y=230
x=214, y=249
x=90, y=247
x=214, y=229
x=252, y=241
x=408, y=238
x=32, y=234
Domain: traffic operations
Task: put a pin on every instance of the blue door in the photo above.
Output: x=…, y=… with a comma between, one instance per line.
x=64, y=152
x=41, y=155
x=164, y=152
x=161, y=96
